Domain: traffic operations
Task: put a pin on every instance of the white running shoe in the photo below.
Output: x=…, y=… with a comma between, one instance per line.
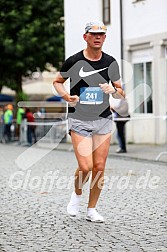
x=94, y=216
x=73, y=205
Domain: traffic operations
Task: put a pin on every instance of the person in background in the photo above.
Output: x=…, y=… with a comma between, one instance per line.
x=1, y=114
x=121, y=117
x=1, y=124
x=19, y=117
x=8, y=118
x=30, y=128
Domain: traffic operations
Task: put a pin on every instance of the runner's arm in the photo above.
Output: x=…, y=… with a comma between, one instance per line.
x=59, y=87
x=120, y=93
x=116, y=92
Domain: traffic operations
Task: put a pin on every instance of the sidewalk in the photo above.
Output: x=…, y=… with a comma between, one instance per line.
x=144, y=152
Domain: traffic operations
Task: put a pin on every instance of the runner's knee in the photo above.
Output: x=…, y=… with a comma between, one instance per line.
x=85, y=168
x=99, y=166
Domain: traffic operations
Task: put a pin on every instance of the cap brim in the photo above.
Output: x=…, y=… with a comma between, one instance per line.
x=97, y=31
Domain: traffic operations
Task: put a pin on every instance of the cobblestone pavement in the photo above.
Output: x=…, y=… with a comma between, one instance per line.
x=35, y=220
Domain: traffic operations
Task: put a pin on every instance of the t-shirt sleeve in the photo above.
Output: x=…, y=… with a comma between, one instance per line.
x=65, y=67
x=114, y=73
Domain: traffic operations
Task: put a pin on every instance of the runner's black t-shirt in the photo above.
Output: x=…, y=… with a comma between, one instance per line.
x=85, y=76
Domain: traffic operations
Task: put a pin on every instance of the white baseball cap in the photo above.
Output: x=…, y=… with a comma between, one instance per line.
x=95, y=26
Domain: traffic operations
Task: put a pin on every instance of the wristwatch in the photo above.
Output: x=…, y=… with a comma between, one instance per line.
x=115, y=90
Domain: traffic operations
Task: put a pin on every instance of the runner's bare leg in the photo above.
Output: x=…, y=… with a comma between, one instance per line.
x=97, y=147
x=101, y=144
x=84, y=162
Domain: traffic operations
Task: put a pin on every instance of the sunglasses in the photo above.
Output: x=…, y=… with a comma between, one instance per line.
x=96, y=28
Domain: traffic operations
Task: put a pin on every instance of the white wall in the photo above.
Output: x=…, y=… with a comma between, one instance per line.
x=78, y=13
x=144, y=18
x=112, y=45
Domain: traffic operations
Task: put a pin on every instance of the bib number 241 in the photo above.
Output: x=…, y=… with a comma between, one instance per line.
x=91, y=95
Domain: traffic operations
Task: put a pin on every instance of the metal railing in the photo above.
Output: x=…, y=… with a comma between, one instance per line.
x=49, y=131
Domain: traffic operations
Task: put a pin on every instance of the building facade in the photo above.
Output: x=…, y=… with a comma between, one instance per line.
x=137, y=33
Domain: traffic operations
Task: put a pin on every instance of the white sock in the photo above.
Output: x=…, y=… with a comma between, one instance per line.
x=75, y=197
x=78, y=196
x=89, y=210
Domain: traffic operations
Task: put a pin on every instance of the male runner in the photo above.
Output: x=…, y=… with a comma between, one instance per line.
x=93, y=76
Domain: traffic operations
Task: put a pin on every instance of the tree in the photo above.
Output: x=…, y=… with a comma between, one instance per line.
x=31, y=35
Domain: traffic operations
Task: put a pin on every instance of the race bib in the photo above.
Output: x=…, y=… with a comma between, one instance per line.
x=91, y=95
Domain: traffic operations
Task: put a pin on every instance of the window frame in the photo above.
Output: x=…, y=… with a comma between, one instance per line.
x=106, y=8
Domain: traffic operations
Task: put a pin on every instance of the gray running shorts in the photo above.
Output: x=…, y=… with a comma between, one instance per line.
x=101, y=126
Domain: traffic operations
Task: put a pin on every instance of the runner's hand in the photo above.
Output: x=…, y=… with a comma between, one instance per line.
x=72, y=100
x=107, y=88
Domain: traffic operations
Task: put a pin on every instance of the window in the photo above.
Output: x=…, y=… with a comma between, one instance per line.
x=143, y=77
x=106, y=11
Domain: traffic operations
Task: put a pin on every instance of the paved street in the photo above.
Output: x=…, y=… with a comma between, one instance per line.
x=33, y=205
